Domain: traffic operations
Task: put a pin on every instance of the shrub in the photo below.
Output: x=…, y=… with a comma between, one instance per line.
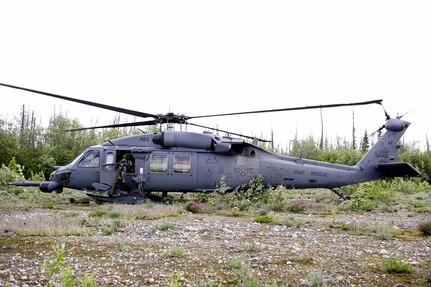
x=377, y=229
x=425, y=227
x=277, y=199
x=264, y=219
x=243, y=205
x=290, y=221
x=113, y=214
x=163, y=227
x=194, y=207
x=244, y=274
x=316, y=280
x=59, y=273
x=252, y=247
x=50, y=205
x=12, y=172
x=392, y=265
x=97, y=213
x=255, y=189
x=175, y=279
x=298, y=205
x=166, y=226
x=176, y=252
x=112, y=227
x=359, y=201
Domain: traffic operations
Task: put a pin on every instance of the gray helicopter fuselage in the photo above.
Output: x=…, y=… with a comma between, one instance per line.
x=184, y=161
x=160, y=168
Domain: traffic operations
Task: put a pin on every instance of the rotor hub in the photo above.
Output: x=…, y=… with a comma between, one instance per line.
x=171, y=118
x=396, y=125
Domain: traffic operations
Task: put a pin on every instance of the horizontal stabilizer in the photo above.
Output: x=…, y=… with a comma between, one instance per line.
x=398, y=169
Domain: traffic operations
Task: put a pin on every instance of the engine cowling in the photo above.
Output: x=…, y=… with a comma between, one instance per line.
x=194, y=141
x=186, y=140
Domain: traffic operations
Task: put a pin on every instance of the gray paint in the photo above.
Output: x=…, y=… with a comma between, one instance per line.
x=212, y=158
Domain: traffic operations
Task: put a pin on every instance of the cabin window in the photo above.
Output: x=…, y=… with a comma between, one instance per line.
x=109, y=158
x=159, y=163
x=90, y=159
x=182, y=163
x=109, y=161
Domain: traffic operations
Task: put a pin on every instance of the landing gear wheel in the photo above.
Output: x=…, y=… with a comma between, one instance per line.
x=138, y=195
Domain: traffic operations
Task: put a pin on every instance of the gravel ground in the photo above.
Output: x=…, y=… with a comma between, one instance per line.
x=199, y=246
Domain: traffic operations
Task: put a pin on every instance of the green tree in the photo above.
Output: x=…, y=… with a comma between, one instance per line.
x=305, y=148
x=365, y=143
x=9, y=141
x=63, y=146
x=12, y=172
x=341, y=156
x=420, y=160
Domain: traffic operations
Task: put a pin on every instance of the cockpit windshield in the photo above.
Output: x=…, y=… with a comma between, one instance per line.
x=90, y=159
x=75, y=161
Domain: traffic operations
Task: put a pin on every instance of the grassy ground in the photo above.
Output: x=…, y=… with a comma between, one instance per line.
x=380, y=239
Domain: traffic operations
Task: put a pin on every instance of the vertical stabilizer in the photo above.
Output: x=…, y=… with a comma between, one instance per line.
x=385, y=151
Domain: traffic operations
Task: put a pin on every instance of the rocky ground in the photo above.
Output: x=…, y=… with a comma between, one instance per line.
x=344, y=249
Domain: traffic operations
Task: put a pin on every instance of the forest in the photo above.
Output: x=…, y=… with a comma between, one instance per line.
x=37, y=149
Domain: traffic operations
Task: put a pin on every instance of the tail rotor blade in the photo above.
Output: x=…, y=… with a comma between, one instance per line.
x=386, y=113
x=377, y=131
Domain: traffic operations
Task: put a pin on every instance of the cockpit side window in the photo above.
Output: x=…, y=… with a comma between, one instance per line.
x=90, y=159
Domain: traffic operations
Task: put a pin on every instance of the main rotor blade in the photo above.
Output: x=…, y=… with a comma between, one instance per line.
x=135, y=124
x=291, y=109
x=240, y=135
x=98, y=105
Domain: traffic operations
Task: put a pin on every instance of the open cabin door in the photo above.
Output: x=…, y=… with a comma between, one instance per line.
x=117, y=170
x=108, y=173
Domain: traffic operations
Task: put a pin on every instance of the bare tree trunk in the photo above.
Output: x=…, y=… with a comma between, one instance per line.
x=272, y=139
x=33, y=130
x=428, y=143
x=22, y=118
x=321, y=134
x=353, y=131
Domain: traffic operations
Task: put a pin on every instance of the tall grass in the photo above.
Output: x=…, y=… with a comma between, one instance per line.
x=147, y=211
x=52, y=225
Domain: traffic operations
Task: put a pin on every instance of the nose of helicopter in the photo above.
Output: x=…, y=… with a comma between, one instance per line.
x=58, y=179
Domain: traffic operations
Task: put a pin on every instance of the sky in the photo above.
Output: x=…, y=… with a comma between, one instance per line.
x=206, y=57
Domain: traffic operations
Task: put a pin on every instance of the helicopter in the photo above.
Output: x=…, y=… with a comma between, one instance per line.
x=129, y=169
